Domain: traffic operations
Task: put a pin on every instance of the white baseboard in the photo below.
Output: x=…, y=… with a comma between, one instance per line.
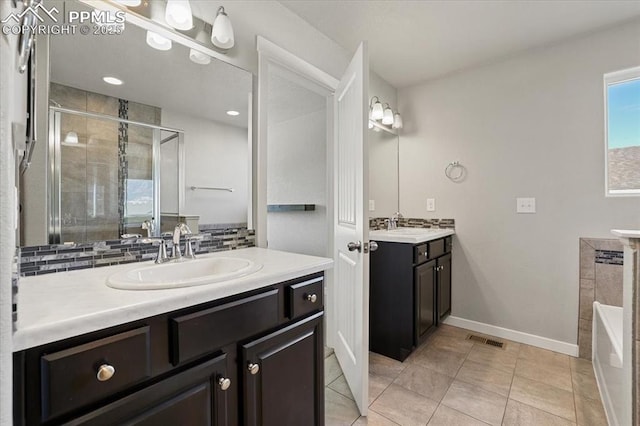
x=516, y=336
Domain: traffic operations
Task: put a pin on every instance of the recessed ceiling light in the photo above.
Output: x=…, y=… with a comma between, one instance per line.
x=233, y=113
x=113, y=80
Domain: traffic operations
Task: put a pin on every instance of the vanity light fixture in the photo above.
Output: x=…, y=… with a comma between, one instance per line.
x=197, y=56
x=233, y=113
x=376, y=111
x=178, y=14
x=222, y=31
x=397, y=121
x=113, y=80
x=157, y=41
x=387, y=117
x=130, y=3
x=71, y=138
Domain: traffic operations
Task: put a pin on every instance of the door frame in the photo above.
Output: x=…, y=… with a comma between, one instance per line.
x=269, y=55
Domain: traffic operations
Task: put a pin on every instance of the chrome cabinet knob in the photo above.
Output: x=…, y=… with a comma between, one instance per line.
x=312, y=298
x=224, y=383
x=373, y=246
x=105, y=372
x=253, y=368
x=354, y=246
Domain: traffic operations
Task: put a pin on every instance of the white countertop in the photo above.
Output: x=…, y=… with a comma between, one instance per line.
x=410, y=235
x=57, y=306
x=626, y=233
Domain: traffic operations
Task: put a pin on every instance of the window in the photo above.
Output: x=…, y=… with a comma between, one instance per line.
x=622, y=132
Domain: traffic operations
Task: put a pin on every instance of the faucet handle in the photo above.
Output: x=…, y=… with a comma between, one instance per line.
x=162, y=248
x=130, y=236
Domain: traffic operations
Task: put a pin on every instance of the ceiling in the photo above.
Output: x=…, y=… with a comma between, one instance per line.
x=414, y=41
x=166, y=79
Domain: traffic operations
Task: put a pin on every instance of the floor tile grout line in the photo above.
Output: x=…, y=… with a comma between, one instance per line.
x=382, y=415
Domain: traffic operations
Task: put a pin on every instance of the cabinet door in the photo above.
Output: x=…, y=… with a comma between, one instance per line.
x=444, y=286
x=425, y=308
x=283, y=376
x=195, y=397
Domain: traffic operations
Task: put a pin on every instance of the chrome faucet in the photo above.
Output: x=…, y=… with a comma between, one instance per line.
x=178, y=231
x=392, y=222
x=149, y=225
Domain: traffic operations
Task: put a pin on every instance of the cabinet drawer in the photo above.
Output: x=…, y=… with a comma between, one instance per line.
x=436, y=248
x=199, y=333
x=420, y=253
x=305, y=297
x=69, y=378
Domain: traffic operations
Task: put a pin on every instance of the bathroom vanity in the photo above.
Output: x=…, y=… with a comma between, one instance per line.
x=410, y=288
x=244, y=351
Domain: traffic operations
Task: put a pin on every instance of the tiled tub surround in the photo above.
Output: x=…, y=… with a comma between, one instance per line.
x=95, y=171
x=378, y=223
x=39, y=260
x=600, y=280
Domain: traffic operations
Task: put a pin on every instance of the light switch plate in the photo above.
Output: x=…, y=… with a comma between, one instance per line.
x=431, y=204
x=525, y=205
x=372, y=205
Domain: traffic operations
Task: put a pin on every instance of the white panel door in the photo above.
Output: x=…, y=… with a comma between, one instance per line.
x=351, y=279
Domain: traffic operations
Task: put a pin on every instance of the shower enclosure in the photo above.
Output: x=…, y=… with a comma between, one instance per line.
x=108, y=174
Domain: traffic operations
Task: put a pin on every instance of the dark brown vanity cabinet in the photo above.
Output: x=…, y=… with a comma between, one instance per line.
x=254, y=358
x=410, y=293
x=282, y=384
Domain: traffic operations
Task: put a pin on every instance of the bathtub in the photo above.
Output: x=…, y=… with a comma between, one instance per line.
x=607, y=360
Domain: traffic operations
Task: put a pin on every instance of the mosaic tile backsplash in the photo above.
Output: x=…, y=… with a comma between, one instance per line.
x=378, y=223
x=39, y=260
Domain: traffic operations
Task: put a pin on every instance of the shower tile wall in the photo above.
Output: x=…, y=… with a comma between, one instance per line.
x=600, y=280
x=91, y=174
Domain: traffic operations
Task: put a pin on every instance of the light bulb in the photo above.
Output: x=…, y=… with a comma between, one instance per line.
x=157, y=41
x=222, y=31
x=178, y=14
x=397, y=121
x=387, y=117
x=376, y=111
x=199, y=57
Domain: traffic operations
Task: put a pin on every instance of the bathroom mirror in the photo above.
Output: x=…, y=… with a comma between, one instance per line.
x=130, y=133
x=383, y=172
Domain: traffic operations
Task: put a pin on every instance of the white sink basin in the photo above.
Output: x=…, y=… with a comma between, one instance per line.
x=183, y=274
x=409, y=235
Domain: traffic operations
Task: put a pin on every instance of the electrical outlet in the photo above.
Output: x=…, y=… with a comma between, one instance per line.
x=525, y=205
x=372, y=205
x=431, y=204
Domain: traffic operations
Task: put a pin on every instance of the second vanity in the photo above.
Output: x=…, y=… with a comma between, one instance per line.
x=410, y=288
x=244, y=351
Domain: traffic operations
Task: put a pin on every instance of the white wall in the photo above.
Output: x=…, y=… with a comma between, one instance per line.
x=383, y=155
x=281, y=26
x=297, y=174
x=215, y=155
x=530, y=126
x=12, y=109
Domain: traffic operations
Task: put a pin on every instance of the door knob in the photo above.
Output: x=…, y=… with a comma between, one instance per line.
x=224, y=383
x=253, y=368
x=355, y=246
x=373, y=246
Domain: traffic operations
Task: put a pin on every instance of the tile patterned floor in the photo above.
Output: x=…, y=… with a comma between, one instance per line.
x=453, y=381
